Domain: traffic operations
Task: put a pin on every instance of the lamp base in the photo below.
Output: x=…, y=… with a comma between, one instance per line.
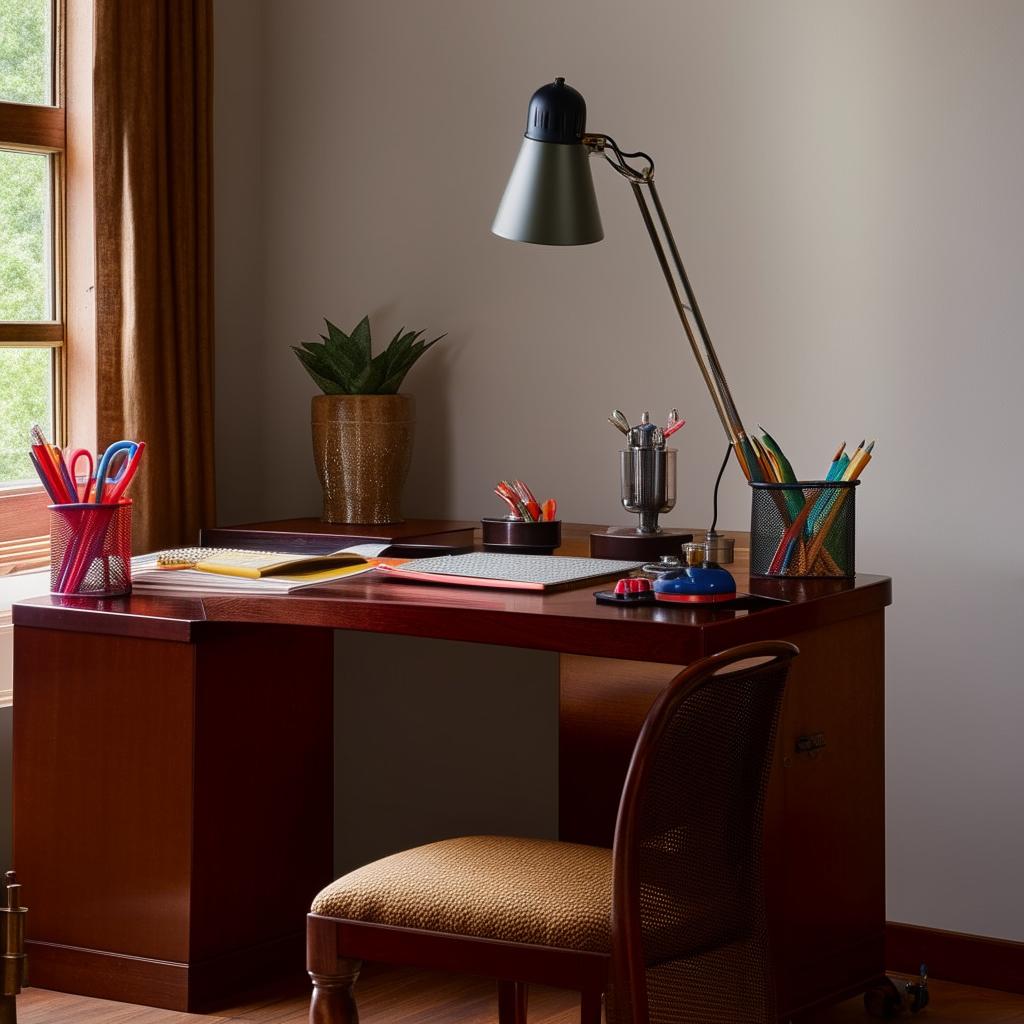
x=623, y=542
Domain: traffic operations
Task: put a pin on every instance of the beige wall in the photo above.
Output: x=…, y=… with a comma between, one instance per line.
x=239, y=76
x=845, y=180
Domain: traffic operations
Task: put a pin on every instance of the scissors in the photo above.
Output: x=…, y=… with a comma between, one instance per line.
x=82, y=453
x=125, y=473
x=103, y=469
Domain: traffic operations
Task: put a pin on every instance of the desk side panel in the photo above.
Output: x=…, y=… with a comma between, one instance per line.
x=103, y=791
x=825, y=833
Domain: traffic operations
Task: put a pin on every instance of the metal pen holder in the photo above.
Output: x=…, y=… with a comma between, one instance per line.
x=91, y=549
x=803, y=529
x=647, y=486
x=647, y=479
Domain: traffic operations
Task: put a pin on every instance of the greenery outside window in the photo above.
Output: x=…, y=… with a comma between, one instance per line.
x=32, y=320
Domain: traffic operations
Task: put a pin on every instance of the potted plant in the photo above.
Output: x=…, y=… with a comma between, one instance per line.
x=362, y=426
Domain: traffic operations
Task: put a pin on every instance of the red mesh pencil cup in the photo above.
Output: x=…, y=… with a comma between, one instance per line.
x=91, y=549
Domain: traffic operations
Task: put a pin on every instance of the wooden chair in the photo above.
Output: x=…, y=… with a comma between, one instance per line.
x=670, y=924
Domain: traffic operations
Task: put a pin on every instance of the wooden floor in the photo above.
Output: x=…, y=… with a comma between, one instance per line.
x=390, y=996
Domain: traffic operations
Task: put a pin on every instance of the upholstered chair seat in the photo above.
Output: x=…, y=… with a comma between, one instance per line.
x=534, y=891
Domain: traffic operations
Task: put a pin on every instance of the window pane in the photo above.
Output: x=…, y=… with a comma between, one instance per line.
x=26, y=51
x=26, y=236
x=25, y=398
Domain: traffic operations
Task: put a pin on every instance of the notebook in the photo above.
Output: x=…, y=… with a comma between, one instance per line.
x=508, y=571
x=228, y=571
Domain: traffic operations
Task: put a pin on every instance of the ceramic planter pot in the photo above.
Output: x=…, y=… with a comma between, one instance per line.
x=362, y=446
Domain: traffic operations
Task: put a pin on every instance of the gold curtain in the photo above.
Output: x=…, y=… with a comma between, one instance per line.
x=152, y=102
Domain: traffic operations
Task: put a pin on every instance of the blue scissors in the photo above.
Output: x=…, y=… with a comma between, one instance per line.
x=102, y=470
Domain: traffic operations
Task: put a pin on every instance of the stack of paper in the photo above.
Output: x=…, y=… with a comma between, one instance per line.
x=249, y=572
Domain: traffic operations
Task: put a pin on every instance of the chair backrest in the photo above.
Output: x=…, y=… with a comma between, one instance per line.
x=689, y=927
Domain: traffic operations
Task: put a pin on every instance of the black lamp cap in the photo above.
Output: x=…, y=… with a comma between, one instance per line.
x=558, y=113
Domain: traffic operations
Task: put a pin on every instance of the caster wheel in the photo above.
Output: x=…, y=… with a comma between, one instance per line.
x=920, y=999
x=883, y=1000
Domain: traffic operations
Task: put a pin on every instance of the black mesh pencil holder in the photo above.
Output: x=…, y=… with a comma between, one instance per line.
x=803, y=529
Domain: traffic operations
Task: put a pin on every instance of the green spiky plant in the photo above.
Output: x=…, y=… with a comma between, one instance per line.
x=345, y=365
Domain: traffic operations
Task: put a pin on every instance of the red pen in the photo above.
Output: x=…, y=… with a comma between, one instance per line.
x=527, y=498
x=53, y=482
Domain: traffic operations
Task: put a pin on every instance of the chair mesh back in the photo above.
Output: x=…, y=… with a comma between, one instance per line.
x=702, y=916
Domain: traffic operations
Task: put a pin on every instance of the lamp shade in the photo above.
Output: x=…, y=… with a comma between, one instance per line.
x=550, y=196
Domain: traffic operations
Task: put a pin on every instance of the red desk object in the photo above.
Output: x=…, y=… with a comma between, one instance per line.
x=172, y=814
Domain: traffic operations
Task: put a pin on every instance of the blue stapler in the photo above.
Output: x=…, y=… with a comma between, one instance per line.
x=697, y=582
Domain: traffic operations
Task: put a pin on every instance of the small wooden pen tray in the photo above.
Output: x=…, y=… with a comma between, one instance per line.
x=519, y=538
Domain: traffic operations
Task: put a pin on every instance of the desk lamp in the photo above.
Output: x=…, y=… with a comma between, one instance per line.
x=550, y=200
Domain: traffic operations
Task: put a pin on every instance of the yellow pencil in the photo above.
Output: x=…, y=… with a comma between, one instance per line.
x=860, y=459
x=776, y=465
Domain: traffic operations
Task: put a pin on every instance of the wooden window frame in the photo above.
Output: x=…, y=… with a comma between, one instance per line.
x=64, y=130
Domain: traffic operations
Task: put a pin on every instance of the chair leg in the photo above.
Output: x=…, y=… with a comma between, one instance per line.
x=590, y=1007
x=333, y=1000
x=512, y=999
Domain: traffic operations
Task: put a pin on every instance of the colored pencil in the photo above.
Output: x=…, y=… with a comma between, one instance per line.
x=858, y=462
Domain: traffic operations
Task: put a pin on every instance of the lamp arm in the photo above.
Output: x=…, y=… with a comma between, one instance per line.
x=704, y=364
x=703, y=351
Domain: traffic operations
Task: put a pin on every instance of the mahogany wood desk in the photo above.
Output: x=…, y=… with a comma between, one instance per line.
x=173, y=801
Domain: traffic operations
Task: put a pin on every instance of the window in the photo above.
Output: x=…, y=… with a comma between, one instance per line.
x=32, y=331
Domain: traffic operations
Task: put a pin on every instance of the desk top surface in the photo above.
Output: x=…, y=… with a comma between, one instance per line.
x=567, y=621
